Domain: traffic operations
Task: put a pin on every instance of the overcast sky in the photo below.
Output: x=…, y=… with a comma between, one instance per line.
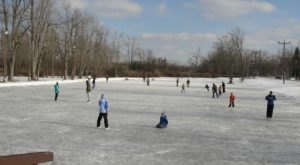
x=176, y=28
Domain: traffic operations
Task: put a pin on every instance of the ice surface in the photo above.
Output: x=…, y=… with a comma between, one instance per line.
x=201, y=130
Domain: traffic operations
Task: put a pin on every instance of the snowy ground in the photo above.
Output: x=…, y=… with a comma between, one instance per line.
x=201, y=130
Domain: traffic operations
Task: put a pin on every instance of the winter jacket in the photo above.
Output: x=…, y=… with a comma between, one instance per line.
x=163, y=121
x=103, y=104
x=88, y=86
x=56, y=88
x=270, y=99
x=231, y=98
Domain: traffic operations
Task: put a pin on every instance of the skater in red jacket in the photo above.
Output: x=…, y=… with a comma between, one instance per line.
x=231, y=100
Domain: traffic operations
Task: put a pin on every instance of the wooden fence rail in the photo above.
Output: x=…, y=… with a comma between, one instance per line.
x=27, y=159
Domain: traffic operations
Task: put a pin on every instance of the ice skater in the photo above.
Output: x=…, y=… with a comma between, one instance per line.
x=223, y=86
x=103, y=111
x=177, y=82
x=183, y=88
x=88, y=89
x=270, y=106
x=207, y=87
x=220, y=90
x=215, y=91
x=163, y=121
x=94, y=82
x=56, y=90
x=188, y=83
x=106, y=79
x=231, y=100
x=148, y=81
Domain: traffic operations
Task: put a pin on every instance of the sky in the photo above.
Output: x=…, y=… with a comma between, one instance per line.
x=175, y=29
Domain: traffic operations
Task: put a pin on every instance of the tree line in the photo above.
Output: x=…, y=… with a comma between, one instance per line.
x=229, y=58
x=40, y=38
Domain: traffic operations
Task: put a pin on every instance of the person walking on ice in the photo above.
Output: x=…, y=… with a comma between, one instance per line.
x=88, y=89
x=56, y=90
x=103, y=111
x=207, y=87
x=215, y=90
x=163, y=121
x=188, y=83
x=231, y=100
x=270, y=106
x=94, y=81
x=183, y=88
x=223, y=86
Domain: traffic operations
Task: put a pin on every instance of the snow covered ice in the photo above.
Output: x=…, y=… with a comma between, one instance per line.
x=201, y=130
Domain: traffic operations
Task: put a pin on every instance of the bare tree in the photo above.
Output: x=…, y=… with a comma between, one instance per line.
x=15, y=16
x=237, y=40
x=195, y=60
x=117, y=43
x=39, y=23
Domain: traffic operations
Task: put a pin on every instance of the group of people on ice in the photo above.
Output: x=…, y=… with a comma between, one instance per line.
x=163, y=122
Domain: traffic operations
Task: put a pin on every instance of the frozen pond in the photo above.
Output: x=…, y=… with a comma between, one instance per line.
x=201, y=130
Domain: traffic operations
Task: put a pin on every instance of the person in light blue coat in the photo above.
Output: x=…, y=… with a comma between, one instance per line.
x=163, y=122
x=103, y=111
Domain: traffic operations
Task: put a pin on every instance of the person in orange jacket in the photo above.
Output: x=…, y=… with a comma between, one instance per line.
x=231, y=100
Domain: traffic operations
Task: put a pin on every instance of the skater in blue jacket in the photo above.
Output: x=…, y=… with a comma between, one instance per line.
x=163, y=122
x=56, y=90
x=103, y=108
x=270, y=106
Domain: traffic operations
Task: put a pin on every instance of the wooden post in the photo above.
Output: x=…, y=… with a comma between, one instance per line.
x=27, y=159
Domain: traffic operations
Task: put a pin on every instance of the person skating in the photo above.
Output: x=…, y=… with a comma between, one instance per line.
x=231, y=100
x=220, y=90
x=88, y=89
x=223, y=86
x=56, y=90
x=106, y=79
x=270, y=106
x=94, y=82
x=148, y=81
x=207, y=87
x=215, y=90
x=163, y=121
x=188, y=83
x=183, y=88
x=177, y=82
x=103, y=111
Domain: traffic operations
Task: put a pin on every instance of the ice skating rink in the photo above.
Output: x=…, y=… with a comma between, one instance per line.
x=201, y=130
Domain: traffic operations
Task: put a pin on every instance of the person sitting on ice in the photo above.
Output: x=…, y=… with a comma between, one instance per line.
x=163, y=122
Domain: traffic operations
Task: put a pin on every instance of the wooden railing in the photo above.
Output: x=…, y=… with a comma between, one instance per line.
x=27, y=159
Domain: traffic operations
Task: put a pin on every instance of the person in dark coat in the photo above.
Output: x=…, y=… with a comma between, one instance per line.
x=270, y=106
x=207, y=87
x=163, y=122
x=188, y=83
x=148, y=81
x=88, y=89
x=177, y=82
x=94, y=82
x=215, y=90
x=223, y=86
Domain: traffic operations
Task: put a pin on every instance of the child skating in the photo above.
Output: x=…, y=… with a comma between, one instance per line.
x=231, y=100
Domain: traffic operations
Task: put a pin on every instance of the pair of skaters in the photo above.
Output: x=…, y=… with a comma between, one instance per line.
x=270, y=103
x=103, y=113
